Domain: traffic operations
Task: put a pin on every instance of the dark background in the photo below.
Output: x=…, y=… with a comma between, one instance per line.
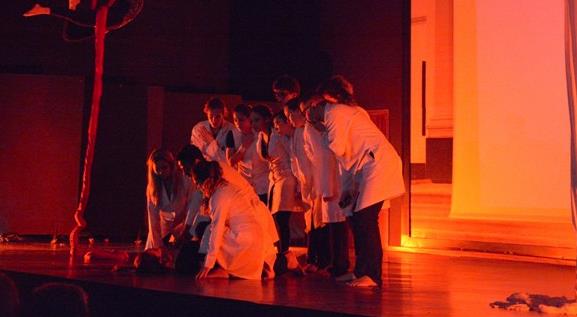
x=158, y=70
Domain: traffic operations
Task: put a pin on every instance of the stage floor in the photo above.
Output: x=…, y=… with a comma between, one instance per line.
x=414, y=284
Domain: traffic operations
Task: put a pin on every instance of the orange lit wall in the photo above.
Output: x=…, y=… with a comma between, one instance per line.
x=511, y=137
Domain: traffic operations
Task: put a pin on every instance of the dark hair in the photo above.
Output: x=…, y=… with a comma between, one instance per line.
x=287, y=83
x=205, y=170
x=242, y=109
x=214, y=103
x=59, y=299
x=189, y=154
x=339, y=88
x=293, y=104
x=280, y=116
x=313, y=101
x=262, y=110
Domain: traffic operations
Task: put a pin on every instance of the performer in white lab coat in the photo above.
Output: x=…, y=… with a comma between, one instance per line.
x=282, y=200
x=244, y=156
x=239, y=240
x=285, y=88
x=319, y=248
x=171, y=199
x=188, y=157
x=372, y=172
x=326, y=186
x=210, y=135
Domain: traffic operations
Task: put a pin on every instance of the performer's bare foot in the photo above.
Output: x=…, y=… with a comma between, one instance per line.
x=363, y=281
x=267, y=272
x=37, y=10
x=347, y=277
x=293, y=264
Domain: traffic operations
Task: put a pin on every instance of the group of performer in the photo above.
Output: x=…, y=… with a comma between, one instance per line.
x=227, y=198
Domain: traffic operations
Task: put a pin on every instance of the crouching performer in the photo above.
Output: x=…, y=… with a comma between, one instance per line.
x=239, y=242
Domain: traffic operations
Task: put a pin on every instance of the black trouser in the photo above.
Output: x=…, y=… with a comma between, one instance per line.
x=367, y=239
x=319, y=247
x=282, y=221
x=189, y=261
x=339, y=245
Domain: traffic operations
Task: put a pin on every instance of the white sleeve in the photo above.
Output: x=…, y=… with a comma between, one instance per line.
x=154, y=240
x=338, y=127
x=211, y=151
x=219, y=209
x=305, y=168
x=193, y=206
x=318, y=152
x=195, y=138
x=347, y=178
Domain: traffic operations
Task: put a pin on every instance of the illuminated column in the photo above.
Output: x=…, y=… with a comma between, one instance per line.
x=511, y=154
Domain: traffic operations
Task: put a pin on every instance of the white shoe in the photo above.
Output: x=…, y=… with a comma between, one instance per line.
x=363, y=281
x=347, y=277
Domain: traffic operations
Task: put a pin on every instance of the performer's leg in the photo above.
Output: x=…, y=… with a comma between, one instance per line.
x=282, y=220
x=324, y=252
x=339, y=241
x=370, y=255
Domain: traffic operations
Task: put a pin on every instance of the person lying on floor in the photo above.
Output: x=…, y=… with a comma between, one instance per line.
x=239, y=242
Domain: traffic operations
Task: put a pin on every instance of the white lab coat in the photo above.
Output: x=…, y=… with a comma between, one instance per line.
x=282, y=182
x=215, y=150
x=301, y=165
x=326, y=175
x=369, y=162
x=240, y=238
x=171, y=211
x=254, y=168
x=232, y=177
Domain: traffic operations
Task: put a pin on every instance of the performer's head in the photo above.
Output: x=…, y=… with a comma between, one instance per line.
x=337, y=89
x=314, y=111
x=161, y=167
x=261, y=118
x=241, y=118
x=58, y=299
x=285, y=88
x=294, y=113
x=281, y=124
x=215, y=111
x=207, y=176
x=188, y=157
x=9, y=301
x=161, y=163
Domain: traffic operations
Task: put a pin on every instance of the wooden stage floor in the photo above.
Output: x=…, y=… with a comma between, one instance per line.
x=414, y=285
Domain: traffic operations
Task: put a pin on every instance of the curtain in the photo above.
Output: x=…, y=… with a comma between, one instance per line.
x=571, y=72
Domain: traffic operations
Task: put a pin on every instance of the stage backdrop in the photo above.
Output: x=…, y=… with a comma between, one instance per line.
x=41, y=120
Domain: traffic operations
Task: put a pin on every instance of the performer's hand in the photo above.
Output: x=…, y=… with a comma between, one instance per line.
x=203, y=273
x=205, y=135
x=346, y=198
